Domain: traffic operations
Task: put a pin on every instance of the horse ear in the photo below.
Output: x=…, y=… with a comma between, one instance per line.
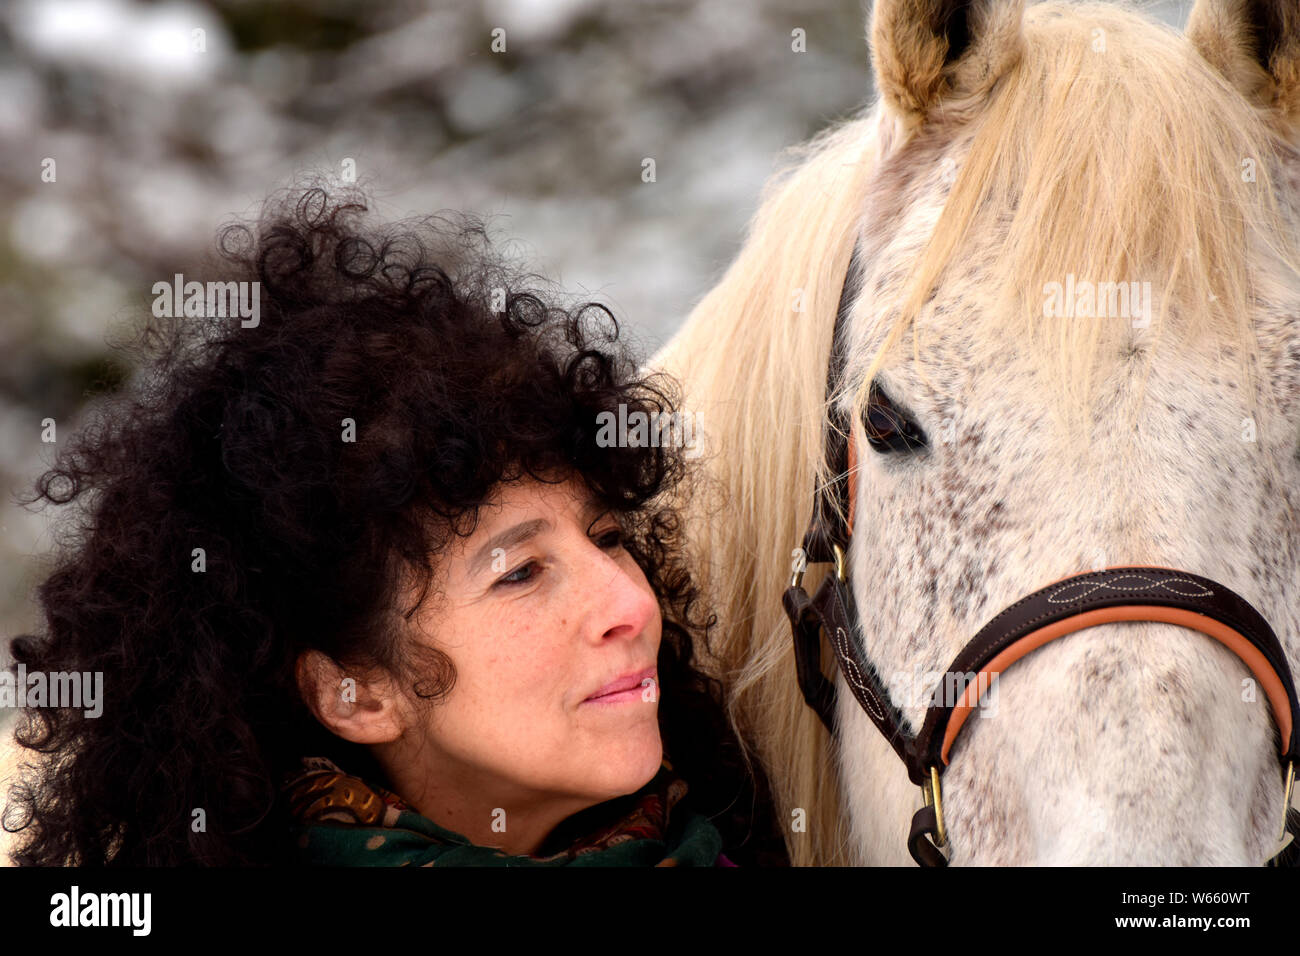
x=930, y=51
x=1256, y=45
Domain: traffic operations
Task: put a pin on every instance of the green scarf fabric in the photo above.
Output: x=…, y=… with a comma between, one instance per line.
x=340, y=820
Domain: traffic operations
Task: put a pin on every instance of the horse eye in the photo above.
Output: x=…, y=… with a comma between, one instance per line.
x=887, y=428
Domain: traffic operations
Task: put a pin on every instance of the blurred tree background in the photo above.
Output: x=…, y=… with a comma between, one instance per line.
x=129, y=131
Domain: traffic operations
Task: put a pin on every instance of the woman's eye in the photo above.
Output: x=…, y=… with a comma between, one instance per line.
x=887, y=428
x=517, y=576
x=609, y=540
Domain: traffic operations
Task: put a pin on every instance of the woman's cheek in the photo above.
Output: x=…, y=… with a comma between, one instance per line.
x=537, y=673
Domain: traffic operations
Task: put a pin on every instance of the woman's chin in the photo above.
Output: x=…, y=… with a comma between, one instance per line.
x=630, y=769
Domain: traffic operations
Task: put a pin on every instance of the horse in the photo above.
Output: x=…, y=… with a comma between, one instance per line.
x=1063, y=239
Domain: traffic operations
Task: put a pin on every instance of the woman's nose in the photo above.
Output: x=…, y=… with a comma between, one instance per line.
x=621, y=601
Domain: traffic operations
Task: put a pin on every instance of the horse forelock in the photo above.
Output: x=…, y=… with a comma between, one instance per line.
x=1132, y=163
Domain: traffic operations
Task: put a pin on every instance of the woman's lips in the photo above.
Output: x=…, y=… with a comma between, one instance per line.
x=629, y=687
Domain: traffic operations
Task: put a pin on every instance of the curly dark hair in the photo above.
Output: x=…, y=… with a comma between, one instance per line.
x=230, y=442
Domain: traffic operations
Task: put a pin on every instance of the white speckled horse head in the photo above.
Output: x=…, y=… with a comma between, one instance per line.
x=1077, y=292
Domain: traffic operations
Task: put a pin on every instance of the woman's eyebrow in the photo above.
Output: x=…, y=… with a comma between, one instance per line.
x=511, y=537
x=517, y=534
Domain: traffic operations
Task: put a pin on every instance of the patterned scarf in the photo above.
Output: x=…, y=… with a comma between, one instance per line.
x=340, y=820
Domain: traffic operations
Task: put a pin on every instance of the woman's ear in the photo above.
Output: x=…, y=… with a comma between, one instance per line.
x=361, y=710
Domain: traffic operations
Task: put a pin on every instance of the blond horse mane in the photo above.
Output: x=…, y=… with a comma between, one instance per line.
x=767, y=321
x=1149, y=183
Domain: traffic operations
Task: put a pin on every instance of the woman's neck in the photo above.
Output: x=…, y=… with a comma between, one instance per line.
x=499, y=816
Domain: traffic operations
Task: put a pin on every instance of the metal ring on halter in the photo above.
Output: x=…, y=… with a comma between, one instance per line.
x=932, y=795
x=841, y=563
x=1286, y=798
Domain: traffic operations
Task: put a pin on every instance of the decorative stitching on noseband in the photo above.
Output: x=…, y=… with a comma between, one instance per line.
x=980, y=643
x=1223, y=614
x=1151, y=582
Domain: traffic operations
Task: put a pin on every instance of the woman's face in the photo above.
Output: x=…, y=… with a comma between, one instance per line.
x=554, y=633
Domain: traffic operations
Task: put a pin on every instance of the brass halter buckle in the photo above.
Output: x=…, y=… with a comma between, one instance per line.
x=932, y=795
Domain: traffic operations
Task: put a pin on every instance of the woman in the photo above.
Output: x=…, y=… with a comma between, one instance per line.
x=366, y=588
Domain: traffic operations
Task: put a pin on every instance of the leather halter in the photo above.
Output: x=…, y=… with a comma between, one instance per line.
x=1122, y=593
